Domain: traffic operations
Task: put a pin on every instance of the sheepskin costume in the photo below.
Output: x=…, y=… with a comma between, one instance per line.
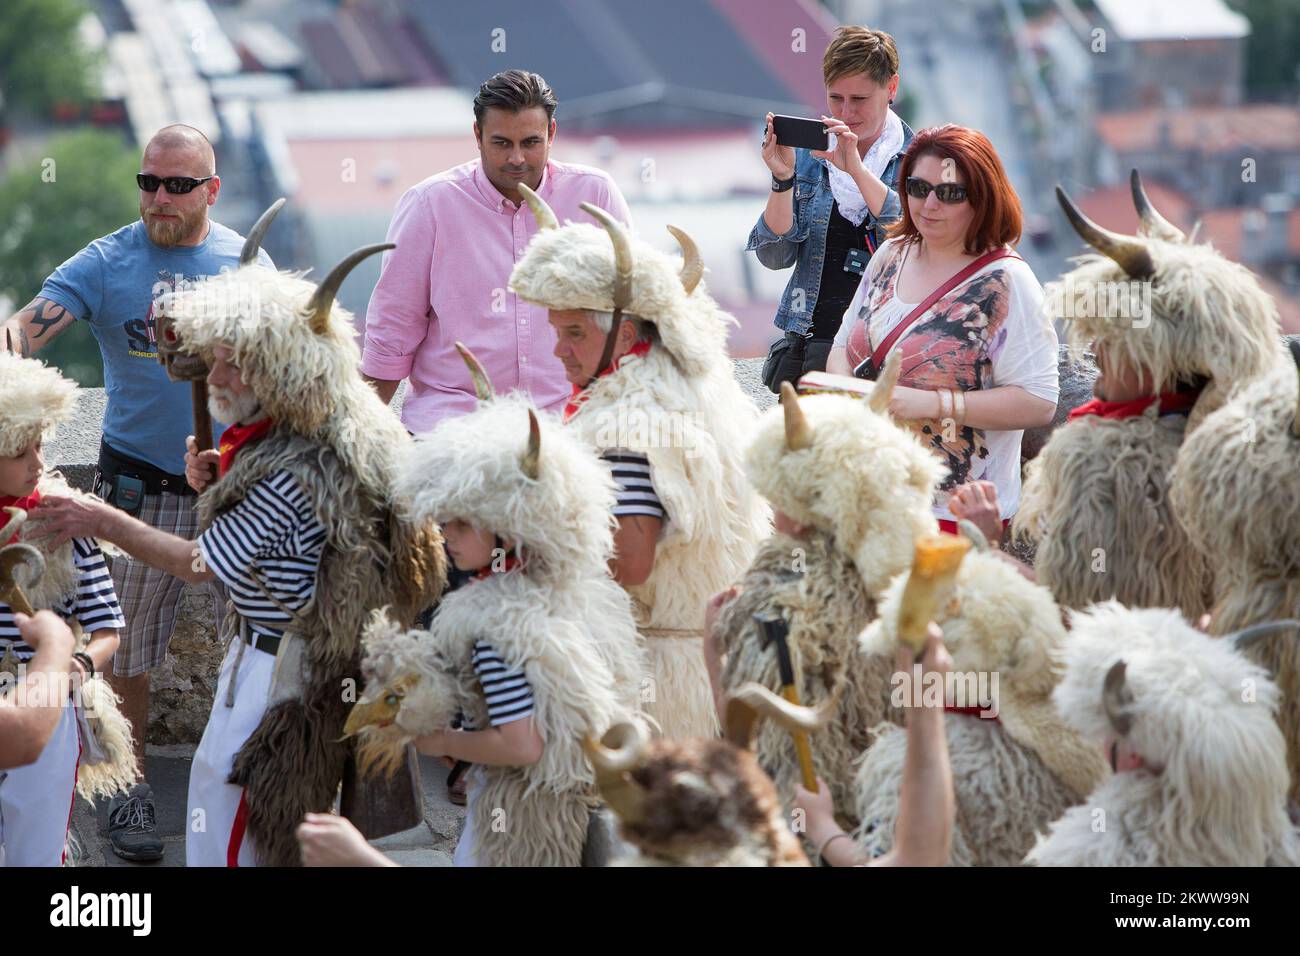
x=559, y=618
x=1095, y=500
x=34, y=400
x=681, y=406
x=840, y=467
x=1213, y=788
x=1236, y=490
x=1014, y=774
x=1207, y=317
x=296, y=350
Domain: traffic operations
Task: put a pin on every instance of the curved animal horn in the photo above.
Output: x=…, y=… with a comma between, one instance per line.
x=253, y=244
x=1117, y=699
x=798, y=433
x=751, y=701
x=1249, y=635
x=322, y=300
x=544, y=214
x=17, y=518
x=880, y=396
x=619, y=752
x=623, y=264
x=482, y=384
x=1153, y=224
x=1130, y=254
x=531, y=462
x=13, y=557
x=692, y=261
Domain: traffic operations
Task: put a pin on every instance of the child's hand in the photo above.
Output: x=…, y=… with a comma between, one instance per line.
x=977, y=502
x=328, y=840
x=817, y=807
x=715, y=606
x=711, y=612
x=934, y=658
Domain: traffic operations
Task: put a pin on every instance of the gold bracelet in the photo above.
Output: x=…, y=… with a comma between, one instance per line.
x=960, y=413
x=943, y=405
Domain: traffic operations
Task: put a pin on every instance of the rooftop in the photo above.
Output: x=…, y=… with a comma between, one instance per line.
x=1207, y=129
x=1138, y=20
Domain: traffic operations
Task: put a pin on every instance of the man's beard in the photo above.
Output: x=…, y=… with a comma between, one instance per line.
x=230, y=408
x=169, y=232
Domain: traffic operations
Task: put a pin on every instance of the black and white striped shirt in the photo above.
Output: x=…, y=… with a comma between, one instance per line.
x=636, y=487
x=271, y=537
x=94, y=605
x=509, y=695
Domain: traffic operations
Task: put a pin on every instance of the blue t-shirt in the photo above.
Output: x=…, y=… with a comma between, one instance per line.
x=112, y=284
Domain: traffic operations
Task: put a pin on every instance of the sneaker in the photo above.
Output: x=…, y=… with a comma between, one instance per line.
x=131, y=825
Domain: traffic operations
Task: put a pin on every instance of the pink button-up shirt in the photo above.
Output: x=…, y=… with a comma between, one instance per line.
x=458, y=240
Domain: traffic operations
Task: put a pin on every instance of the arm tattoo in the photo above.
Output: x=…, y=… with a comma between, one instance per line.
x=46, y=314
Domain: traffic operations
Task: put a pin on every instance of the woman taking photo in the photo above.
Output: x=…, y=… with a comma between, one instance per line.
x=827, y=211
x=950, y=294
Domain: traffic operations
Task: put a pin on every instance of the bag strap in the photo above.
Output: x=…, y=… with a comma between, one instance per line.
x=993, y=255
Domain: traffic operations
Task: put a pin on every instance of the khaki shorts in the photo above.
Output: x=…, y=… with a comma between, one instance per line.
x=151, y=598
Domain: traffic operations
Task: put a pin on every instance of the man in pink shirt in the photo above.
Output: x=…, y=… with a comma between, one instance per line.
x=459, y=234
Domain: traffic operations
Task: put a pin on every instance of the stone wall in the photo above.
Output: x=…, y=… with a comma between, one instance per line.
x=182, y=688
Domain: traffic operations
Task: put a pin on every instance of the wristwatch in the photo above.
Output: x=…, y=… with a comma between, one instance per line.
x=781, y=185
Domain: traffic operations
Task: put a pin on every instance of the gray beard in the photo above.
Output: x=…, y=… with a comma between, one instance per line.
x=226, y=407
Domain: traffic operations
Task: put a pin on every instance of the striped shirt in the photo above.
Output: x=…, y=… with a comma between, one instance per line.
x=271, y=538
x=509, y=695
x=636, y=487
x=94, y=605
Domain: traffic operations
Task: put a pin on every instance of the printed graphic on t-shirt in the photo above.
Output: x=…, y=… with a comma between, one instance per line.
x=142, y=334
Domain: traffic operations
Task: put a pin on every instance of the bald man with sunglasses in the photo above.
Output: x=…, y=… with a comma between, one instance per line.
x=112, y=285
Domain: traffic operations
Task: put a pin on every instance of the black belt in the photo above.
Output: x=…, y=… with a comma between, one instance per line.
x=156, y=482
x=262, y=642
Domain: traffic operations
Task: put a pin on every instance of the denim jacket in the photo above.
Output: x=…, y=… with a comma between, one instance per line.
x=805, y=247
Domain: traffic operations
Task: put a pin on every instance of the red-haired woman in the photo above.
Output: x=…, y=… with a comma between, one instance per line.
x=978, y=361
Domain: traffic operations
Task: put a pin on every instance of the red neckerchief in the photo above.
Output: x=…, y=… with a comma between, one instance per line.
x=971, y=712
x=27, y=504
x=575, y=400
x=236, y=437
x=1170, y=402
x=512, y=563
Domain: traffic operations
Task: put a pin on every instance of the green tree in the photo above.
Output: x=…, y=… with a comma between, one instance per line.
x=1273, y=49
x=42, y=59
x=82, y=189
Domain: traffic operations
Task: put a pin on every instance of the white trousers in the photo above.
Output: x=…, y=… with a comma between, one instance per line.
x=36, y=800
x=467, y=846
x=215, y=831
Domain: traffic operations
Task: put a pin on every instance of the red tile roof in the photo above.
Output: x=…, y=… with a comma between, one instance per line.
x=1112, y=206
x=1211, y=129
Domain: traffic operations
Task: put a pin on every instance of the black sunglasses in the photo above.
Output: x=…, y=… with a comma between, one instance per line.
x=176, y=185
x=950, y=193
